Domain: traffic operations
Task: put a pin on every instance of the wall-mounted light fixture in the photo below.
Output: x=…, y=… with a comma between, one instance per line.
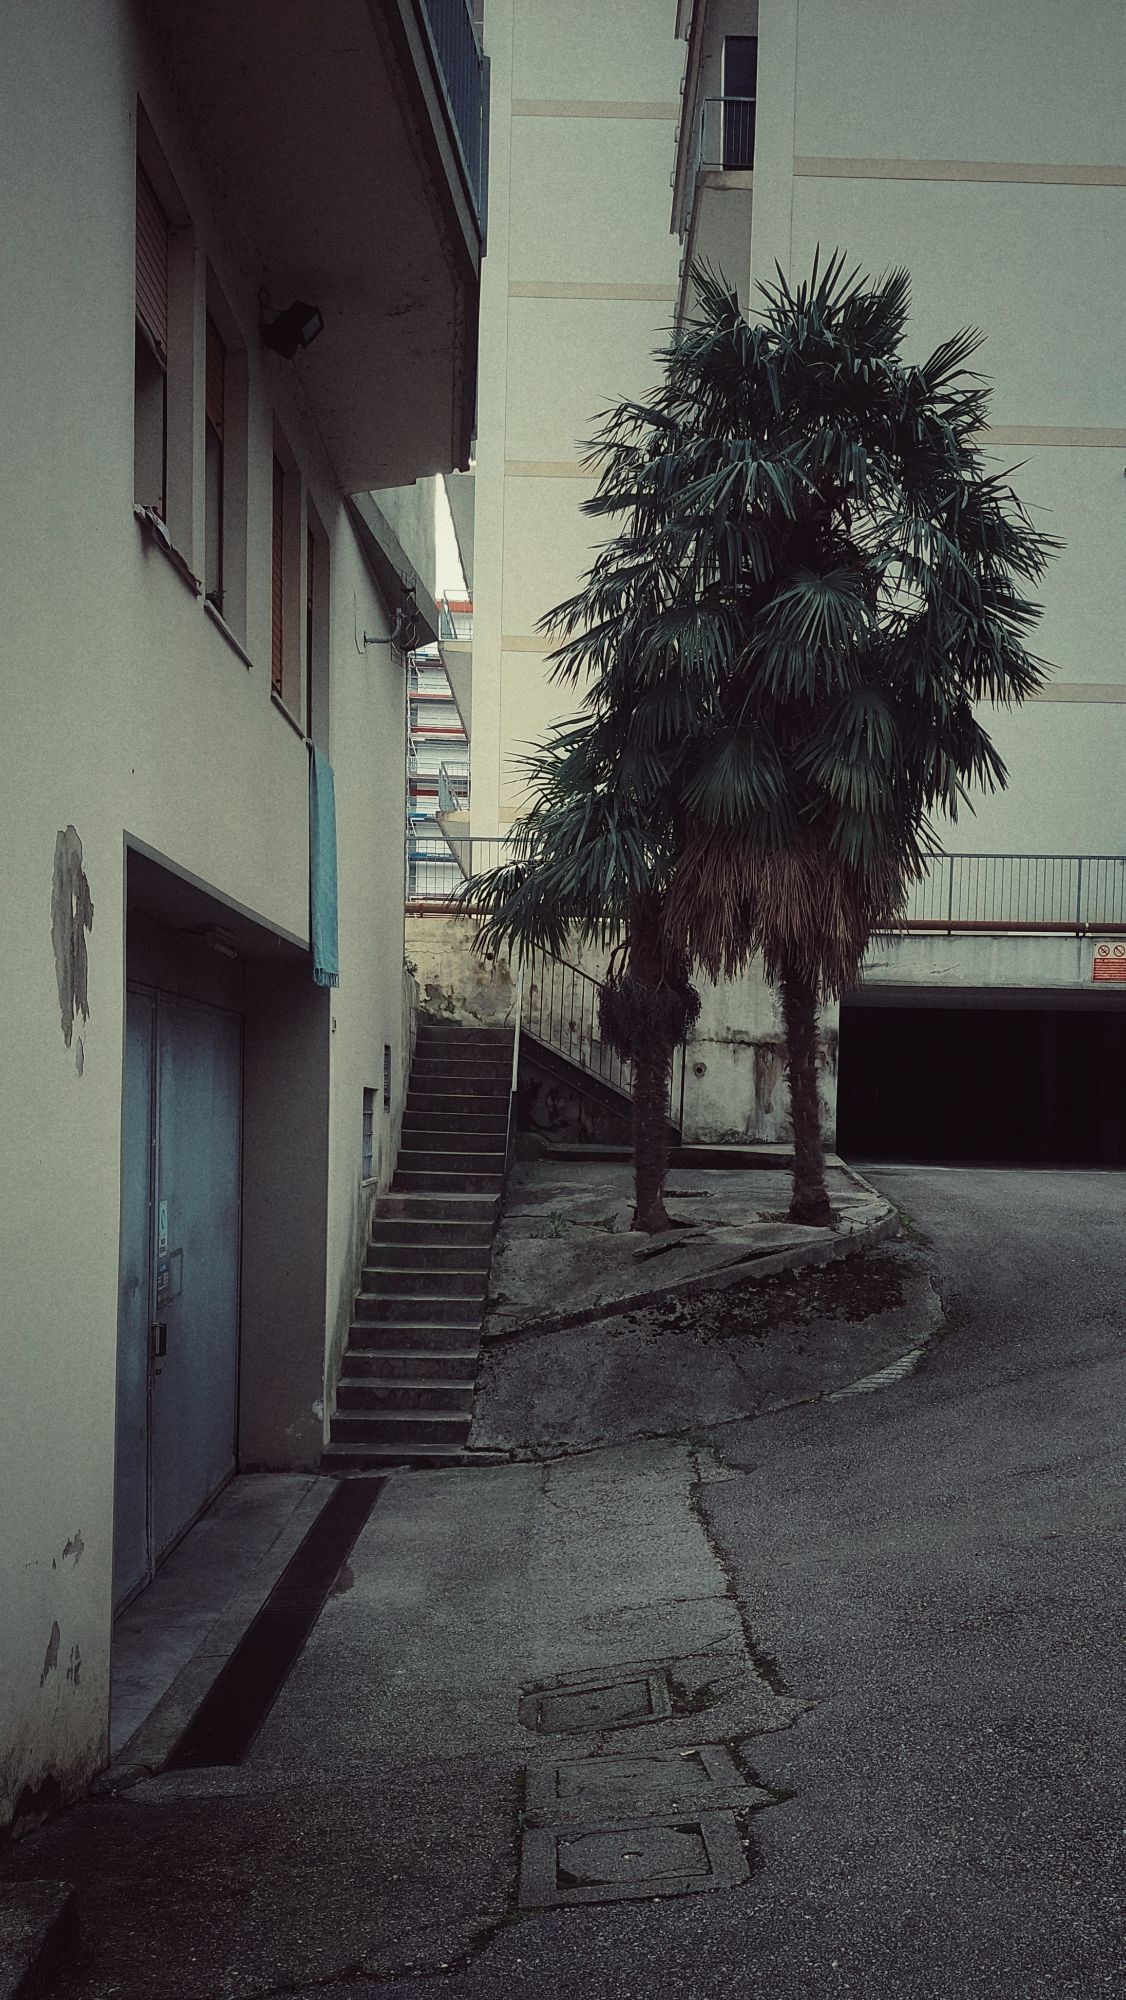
x=297, y=326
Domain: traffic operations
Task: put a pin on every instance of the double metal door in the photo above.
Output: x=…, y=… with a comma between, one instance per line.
x=177, y=1380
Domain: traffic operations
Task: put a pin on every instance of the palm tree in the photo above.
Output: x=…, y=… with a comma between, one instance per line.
x=591, y=864
x=816, y=581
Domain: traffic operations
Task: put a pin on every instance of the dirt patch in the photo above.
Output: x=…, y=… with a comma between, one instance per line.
x=852, y=1289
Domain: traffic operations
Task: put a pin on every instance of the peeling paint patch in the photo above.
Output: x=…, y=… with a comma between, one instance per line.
x=75, y=1548
x=72, y=915
x=51, y=1656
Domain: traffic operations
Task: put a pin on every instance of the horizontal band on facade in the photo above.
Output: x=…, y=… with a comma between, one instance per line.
x=526, y=642
x=546, y=468
x=1082, y=437
x=1096, y=692
x=807, y=166
x=594, y=107
x=535, y=288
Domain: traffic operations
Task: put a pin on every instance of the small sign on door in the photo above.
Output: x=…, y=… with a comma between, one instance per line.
x=161, y=1228
x=1109, y=961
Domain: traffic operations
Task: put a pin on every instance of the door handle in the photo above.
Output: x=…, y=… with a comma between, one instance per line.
x=158, y=1343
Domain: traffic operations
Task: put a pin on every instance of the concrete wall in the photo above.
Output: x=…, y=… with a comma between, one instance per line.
x=577, y=290
x=981, y=145
x=411, y=512
x=977, y=965
x=131, y=716
x=735, y=1089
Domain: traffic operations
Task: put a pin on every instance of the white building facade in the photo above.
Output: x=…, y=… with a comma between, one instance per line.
x=197, y=609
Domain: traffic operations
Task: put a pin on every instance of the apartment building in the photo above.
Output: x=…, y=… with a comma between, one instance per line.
x=240, y=278
x=981, y=146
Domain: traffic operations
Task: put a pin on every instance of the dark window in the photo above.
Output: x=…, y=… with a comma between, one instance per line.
x=215, y=401
x=740, y=86
x=277, y=638
x=150, y=388
x=367, y=1164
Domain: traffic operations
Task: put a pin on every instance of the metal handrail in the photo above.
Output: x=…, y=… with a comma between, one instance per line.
x=1076, y=893
x=559, y=1006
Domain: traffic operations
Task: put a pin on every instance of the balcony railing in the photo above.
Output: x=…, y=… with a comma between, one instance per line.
x=1020, y=892
x=726, y=136
x=464, y=75
x=1040, y=893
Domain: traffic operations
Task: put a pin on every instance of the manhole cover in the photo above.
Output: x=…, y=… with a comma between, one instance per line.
x=660, y=1781
x=671, y=1856
x=594, y=1706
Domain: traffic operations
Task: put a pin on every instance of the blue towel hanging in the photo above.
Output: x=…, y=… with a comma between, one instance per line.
x=323, y=915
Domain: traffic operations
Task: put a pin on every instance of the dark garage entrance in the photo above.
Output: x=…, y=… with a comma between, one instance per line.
x=947, y=1075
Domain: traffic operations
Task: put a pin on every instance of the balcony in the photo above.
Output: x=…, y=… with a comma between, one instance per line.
x=714, y=190
x=345, y=148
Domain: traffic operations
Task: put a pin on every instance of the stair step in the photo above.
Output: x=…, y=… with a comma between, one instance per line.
x=423, y=1277
x=365, y=1457
x=409, y=1180
x=368, y=1336
x=488, y=1069
x=450, y=1159
x=410, y=1426
x=402, y=1364
x=438, y=1032
x=445, y=1205
x=431, y=1307
x=468, y=1138
x=399, y=1392
x=436, y=1106
x=420, y=1253
x=443, y=1234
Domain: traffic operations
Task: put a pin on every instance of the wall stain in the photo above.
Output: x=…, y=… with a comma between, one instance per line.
x=74, y=1666
x=76, y=1547
x=72, y=915
x=51, y=1656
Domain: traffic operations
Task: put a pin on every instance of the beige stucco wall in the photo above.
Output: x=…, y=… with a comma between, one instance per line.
x=129, y=716
x=981, y=145
x=577, y=291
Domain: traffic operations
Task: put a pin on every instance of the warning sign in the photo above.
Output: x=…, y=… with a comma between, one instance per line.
x=1109, y=961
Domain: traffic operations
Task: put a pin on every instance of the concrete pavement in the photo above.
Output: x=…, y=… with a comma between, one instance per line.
x=900, y=1613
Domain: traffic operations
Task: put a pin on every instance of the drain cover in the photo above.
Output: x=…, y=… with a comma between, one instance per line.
x=597, y=1705
x=670, y=1856
x=661, y=1781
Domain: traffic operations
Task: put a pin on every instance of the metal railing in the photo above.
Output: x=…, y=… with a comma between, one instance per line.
x=455, y=621
x=559, y=1006
x=726, y=134
x=464, y=74
x=1076, y=893
x=1020, y=892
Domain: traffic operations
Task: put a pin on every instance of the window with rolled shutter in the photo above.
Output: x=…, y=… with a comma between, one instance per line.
x=213, y=485
x=152, y=264
x=277, y=650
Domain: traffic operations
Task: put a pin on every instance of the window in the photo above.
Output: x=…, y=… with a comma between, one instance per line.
x=316, y=629
x=740, y=85
x=150, y=392
x=367, y=1157
x=214, y=477
x=277, y=640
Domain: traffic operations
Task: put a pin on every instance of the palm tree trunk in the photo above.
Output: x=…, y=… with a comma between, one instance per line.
x=650, y=1083
x=810, y=1198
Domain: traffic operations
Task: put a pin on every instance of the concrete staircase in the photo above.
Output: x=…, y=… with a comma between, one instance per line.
x=405, y=1395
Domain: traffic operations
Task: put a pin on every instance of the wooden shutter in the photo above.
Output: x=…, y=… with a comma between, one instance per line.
x=216, y=377
x=277, y=654
x=152, y=264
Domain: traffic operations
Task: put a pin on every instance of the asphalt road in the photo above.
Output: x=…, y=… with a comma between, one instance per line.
x=938, y=1572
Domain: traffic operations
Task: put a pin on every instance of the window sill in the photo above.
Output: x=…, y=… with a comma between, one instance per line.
x=284, y=712
x=157, y=532
x=221, y=625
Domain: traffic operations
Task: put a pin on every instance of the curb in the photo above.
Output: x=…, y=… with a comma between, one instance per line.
x=38, y=1937
x=742, y=1270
